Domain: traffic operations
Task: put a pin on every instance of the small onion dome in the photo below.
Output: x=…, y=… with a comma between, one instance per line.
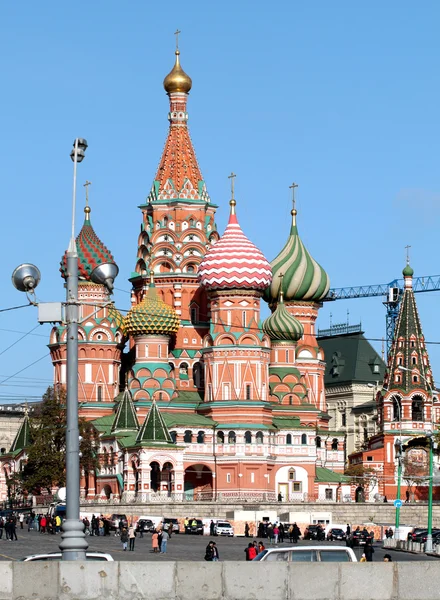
x=91, y=251
x=234, y=262
x=304, y=279
x=151, y=316
x=282, y=326
x=115, y=316
x=408, y=271
x=177, y=80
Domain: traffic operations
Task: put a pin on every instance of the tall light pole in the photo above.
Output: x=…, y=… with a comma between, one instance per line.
x=432, y=445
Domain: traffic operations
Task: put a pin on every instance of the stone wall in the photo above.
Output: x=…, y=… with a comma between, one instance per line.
x=219, y=581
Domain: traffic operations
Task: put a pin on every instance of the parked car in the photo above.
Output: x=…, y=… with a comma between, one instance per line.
x=308, y=554
x=357, y=538
x=335, y=533
x=422, y=536
x=145, y=525
x=223, y=528
x=174, y=524
x=115, y=520
x=314, y=532
x=415, y=532
x=58, y=556
x=195, y=526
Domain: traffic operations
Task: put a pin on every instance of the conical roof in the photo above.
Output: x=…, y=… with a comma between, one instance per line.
x=151, y=316
x=281, y=325
x=91, y=251
x=125, y=417
x=153, y=429
x=22, y=437
x=304, y=279
x=234, y=262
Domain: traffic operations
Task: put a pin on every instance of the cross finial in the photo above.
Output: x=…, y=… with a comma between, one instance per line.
x=176, y=33
x=293, y=187
x=407, y=254
x=232, y=176
x=86, y=185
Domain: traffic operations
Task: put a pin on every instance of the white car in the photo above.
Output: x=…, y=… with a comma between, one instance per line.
x=59, y=556
x=308, y=554
x=223, y=528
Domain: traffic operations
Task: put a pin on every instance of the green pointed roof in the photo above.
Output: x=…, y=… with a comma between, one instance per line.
x=304, y=279
x=126, y=417
x=153, y=428
x=22, y=438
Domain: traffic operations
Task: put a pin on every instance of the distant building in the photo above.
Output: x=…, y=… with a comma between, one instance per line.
x=353, y=373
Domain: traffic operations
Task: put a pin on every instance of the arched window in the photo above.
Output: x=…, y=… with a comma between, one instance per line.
x=289, y=439
x=188, y=436
x=414, y=360
x=334, y=444
x=415, y=379
x=173, y=435
x=397, y=408
x=247, y=437
x=318, y=441
x=201, y=437
x=259, y=437
x=232, y=437
x=290, y=399
x=220, y=437
x=417, y=408
x=292, y=474
x=304, y=439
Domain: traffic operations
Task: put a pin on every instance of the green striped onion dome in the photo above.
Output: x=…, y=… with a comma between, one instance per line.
x=91, y=251
x=115, y=316
x=303, y=278
x=282, y=326
x=151, y=316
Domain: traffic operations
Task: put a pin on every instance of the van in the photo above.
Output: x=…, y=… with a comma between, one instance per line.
x=308, y=554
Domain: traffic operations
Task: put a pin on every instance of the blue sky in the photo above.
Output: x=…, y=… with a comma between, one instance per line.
x=341, y=97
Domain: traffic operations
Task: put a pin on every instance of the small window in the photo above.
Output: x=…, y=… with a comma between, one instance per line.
x=248, y=392
x=290, y=400
x=304, y=439
x=228, y=478
x=252, y=477
x=231, y=437
x=193, y=315
x=220, y=437
x=335, y=444
x=415, y=379
x=414, y=360
x=369, y=458
x=297, y=486
x=328, y=494
x=287, y=356
x=201, y=437
x=187, y=438
x=173, y=435
x=343, y=419
x=400, y=361
x=159, y=351
x=247, y=437
x=376, y=369
x=99, y=393
x=292, y=474
x=318, y=441
x=160, y=397
x=289, y=439
x=244, y=318
x=413, y=344
x=259, y=437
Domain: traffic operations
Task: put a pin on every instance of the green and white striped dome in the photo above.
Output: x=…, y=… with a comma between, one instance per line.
x=303, y=278
x=282, y=326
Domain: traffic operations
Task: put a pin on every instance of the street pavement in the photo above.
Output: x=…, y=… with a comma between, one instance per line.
x=180, y=547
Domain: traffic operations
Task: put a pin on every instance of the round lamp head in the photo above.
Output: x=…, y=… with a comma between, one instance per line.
x=105, y=274
x=26, y=277
x=79, y=155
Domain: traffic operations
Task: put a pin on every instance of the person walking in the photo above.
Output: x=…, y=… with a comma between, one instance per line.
x=164, y=542
x=216, y=555
x=13, y=530
x=270, y=533
x=212, y=528
x=131, y=537
x=43, y=523
x=246, y=529
x=21, y=519
x=209, y=552
x=369, y=550
x=296, y=533
x=155, y=541
x=276, y=533
x=281, y=533
x=124, y=538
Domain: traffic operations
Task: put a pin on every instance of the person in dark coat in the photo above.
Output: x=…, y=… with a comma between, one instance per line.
x=246, y=530
x=281, y=533
x=296, y=533
x=369, y=550
x=209, y=552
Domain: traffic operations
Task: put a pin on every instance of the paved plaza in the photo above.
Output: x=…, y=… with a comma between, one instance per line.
x=180, y=547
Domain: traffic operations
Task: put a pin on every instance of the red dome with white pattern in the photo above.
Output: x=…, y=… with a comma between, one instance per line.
x=234, y=262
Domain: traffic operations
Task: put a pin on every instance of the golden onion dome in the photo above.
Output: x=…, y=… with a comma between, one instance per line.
x=177, y=80
x=115, y=316
x=151, y=317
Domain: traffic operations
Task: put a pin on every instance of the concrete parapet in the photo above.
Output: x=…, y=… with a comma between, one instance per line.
x=219, y=581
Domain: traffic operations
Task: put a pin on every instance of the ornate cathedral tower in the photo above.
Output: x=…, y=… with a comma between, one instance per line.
x=177, y=230
x=236, y=352
x=304, y=284
x=100, y=332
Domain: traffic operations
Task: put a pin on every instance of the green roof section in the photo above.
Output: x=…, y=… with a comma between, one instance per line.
x=187, y=419
x=326, y=476
x=154, y=428
x=126, y=417
x=22, y=438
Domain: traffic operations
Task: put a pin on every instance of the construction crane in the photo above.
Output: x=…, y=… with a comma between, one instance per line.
x=393, y=293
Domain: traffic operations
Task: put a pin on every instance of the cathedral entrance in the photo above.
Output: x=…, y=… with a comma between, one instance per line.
x=198, y=483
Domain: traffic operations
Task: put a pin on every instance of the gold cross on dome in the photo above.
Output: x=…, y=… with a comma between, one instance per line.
x=407, y=254
x=293, y=187
x=176, y=33
x=232, y=176
x=86, y=185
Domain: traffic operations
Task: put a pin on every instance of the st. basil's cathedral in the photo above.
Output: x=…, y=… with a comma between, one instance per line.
x=192, y=395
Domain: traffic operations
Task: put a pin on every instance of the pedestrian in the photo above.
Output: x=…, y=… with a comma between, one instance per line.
x=155, y=541
x=216, y=555
x=390, y=533
x=369, y=550
x=212, y=528
x=106, y=527
x=280, y=497
x=141, y=528
x=252, y=553
x=407, y=496
x=246, y=551
x=186, y=525
x=164, y=542
x=209, y=552
x=387, y=558
x=95, y=525
x=131, y=537
x=57, y=523
x=21, y=519
x=296, y=533
x=276, y=533
x=124, y=538
x=261, y=547
x=116, y=526
x=43, y=522
x=269, y=532
x=348, y=530
x=13, y=530
x=363, y=558
x=101, y=526
x=8, y=529
x=246, y=529
x=260, y=529
x=281, y=533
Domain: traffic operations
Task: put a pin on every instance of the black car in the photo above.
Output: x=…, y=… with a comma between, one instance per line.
x=357, y=538
x=416, y=532
x=335, y=533
x=145, y=525
x=194, y=526
x=314, y=532
x=422, y=536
